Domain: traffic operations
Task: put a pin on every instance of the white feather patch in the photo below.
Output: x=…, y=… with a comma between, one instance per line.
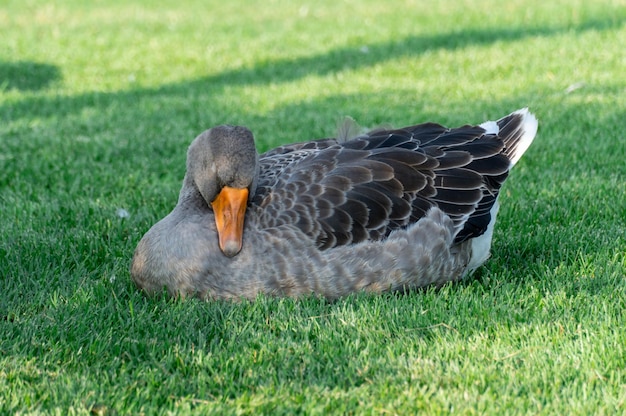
x=491, y=127
x=481, y=246
x=528, y=126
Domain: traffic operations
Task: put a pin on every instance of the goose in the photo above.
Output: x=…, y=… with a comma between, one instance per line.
x=386, y=210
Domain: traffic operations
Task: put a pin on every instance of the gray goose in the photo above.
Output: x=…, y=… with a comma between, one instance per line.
x=391, y=209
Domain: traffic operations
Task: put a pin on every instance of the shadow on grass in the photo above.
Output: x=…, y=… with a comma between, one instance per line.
x=27, y=76
x=354, y=57
x=286, y=70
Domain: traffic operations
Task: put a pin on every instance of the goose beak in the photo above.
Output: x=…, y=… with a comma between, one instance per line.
x=230, y=209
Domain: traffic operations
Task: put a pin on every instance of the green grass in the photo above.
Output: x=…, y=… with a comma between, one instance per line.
x=98, y=101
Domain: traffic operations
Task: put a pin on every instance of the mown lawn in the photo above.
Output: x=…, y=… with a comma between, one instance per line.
x=98, y=102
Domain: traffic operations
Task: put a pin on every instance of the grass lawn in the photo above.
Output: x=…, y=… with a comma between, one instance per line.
x=98, y=102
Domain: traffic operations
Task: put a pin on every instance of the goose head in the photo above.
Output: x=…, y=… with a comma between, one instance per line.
x=222, y=165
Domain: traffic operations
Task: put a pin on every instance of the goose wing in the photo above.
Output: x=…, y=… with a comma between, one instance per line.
x=363, y=189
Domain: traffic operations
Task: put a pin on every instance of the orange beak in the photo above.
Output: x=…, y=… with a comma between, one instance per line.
x=230, y=209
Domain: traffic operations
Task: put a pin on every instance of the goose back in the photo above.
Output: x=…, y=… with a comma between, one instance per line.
x=365, y=188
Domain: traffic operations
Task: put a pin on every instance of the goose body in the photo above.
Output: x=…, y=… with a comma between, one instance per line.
x=387, y=210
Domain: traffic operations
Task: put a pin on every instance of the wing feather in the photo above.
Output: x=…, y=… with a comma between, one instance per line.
x=364, y=188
